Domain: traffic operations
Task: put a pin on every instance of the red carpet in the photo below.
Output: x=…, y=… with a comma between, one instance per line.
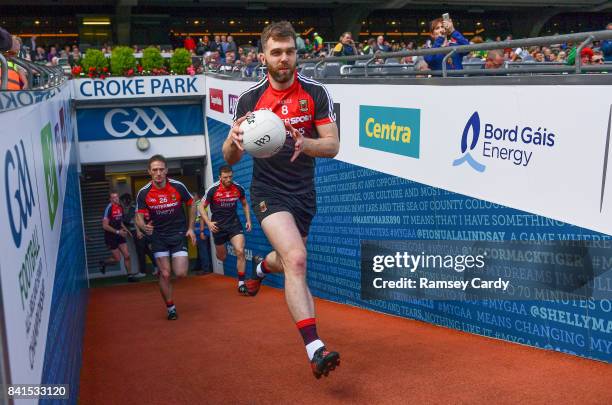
x=226, y=348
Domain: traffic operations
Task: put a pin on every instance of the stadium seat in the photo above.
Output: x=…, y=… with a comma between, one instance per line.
x=331, y=69
x=392, y=61
x=308, y=69
x=473, y=65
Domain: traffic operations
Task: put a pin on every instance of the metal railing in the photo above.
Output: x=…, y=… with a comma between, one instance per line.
x=369, y=68
x=585, y=38
x=39, y=77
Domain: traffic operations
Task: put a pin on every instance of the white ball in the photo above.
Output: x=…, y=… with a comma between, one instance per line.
x=264, y=134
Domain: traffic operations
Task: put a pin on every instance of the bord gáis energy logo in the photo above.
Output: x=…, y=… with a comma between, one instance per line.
x=473, y=124
x=516, y=144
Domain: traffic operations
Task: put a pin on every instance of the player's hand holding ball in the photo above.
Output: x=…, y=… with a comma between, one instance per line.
x=298, y=138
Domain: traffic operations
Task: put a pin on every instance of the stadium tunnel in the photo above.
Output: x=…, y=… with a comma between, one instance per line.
x=120, y=125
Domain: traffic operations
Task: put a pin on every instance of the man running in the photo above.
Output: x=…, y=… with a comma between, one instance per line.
x=222, y=198
x=114, y=237
x=282, y=189
x=163, y=198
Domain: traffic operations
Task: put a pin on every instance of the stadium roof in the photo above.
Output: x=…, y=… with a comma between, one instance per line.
x=470, y=5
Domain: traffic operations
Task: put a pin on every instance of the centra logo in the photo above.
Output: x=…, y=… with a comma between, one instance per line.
x=390, y=129
x=473, y=126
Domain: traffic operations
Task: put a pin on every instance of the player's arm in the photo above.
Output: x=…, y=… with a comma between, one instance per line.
x=247, y=213
x=108, y=228
x=327, y=145
x=204, y=217
x=192, y=216
x=232, y=147
x=142, y=225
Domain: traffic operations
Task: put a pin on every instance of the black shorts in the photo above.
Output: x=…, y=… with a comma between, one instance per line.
x=303, y=207
x=112, y=240
x=174, y=245
x=227, y=232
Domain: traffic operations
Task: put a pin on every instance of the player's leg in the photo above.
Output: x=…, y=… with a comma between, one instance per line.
x=161, y=252
x=111, y=244
x=113, y=259
x=238, y=243
x=165, y=286
x=283, y=234
x=220, y=250
x=180, y=256
x=125, y=252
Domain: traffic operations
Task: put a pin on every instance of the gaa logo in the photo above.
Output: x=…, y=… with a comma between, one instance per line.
x=18, y=191
x=139, y=122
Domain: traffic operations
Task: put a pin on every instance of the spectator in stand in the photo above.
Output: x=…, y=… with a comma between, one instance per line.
x=40, y=56
x=561, y=57
x=444, y=34
x=203, y=46
x=189, y=44
x=346, y=46
x=17, y=78
x=65, y=53
x=318, y=44
x=421, y=66
x=6, y=40
x=215, y=43
x=495, y=59
x=370, y=47
x=223, y=47
x=231, y=45
x=381, y=45
x=52, y=53
x=308, y=47
x=538, y=56
x=597, y=58
x=586, y=55
x=76, y=56
x=299, y=44
x=606, y=46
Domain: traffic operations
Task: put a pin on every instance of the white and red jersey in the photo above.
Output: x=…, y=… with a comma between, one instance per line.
x=306, y=104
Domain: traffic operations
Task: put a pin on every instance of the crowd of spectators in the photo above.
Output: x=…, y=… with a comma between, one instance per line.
x=222, y=53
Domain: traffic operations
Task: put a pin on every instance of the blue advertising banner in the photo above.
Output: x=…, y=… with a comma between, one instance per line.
x=356, y=203
x=103, y=124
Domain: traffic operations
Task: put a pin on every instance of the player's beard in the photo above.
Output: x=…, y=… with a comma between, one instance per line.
x=282, y=76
